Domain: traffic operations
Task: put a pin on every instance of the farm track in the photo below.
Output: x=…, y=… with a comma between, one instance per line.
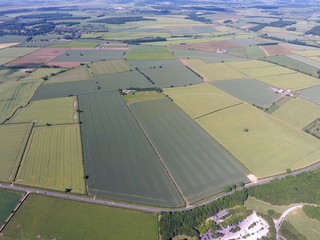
x=109, y=203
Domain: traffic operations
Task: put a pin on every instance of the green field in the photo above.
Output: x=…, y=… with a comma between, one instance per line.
x=142, y=96
x=308, y=53
x=13, y=139
x=74, y=44
x=168, y=77
x=86, y=55
x=305, y=60
x=113, y=66
x=80, y=73
x=214, y=71
x=293, y=81
x=199, y=165
x=312, y=94
x=42, y=72
x=263, y=207
x=124, y=80
x=15, y=94
x=119, y=160
x=14, y=52
x=249, y=90
x=205, y=56
x=293, y=64
x=52, y=111
x=307, y=226
x=65, y=89
x=254, y=52
x=154, y=53
x=200, y=99
x=7, y=75
x=53, y=159
x=43, y=217
x=8, y=202
x=298, y=112
x=264, y=144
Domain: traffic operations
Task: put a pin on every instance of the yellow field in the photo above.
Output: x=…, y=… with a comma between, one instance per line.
x=6, y=45
x=293, y=81
x=143, y=96
x=266, y=71
x=114, y=66
x=315, y=58
x=298, y=112
x=41, y=72
x=53, y=111
x=268, y=147
x=249, y=64
x=214, y=71
x=279, y=30
x=308, y=53
x=201, y=99
x=80, y=73
x=53, y=159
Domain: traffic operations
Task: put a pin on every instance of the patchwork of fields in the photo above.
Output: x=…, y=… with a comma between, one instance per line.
x=166, y=111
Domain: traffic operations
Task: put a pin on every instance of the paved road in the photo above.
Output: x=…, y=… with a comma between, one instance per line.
x=92, y=200
x=278, y=222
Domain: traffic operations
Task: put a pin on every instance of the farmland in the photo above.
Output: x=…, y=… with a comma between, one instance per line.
x=87, y=56
x=299, y=112
x=311, y=94
x=42, y=216
x=293, y=64
x=214, y=71
x=48, y=111
x=64, y=89
x=293, y=81
x=177, y=109
x=13, y=139
x=167, y=77
x=15, y=94
x=124, y=80
x=119, y=159
x=113, y=66
x=53, y=159
x=248, y=132
x=142, y=96
x=38, y=58
x=77, y=74
x=201, y=99
x=266, y=71
x=194, y=150
x=154, y=53
x=8, y=201
x=249, y=90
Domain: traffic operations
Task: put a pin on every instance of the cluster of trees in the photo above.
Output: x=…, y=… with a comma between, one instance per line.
x=145, y=39
x=312, y=212
x=198, y=18
x=291, y=189
x=188, y=222
x=279, y=23
x=315, y=31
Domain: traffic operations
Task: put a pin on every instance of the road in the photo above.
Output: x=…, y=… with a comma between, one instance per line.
x=278, y=222
x=105, y=202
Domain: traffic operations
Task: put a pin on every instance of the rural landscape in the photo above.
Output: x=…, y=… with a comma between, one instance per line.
x=159, y=120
